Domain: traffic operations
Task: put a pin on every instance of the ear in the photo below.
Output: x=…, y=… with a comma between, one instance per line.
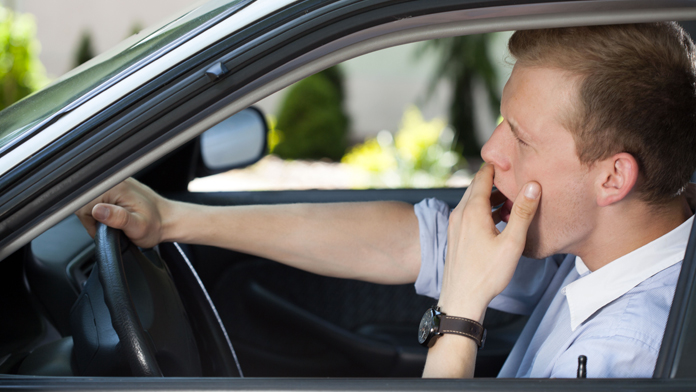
x=617, y=177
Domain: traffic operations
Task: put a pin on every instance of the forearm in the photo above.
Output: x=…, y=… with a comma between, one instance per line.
x=374, y=241
x=454, y=356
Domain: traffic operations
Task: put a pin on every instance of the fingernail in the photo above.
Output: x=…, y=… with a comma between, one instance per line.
x=100, y=213
x=531, y=191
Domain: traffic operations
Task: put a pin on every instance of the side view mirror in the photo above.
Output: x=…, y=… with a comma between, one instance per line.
x=233, y=143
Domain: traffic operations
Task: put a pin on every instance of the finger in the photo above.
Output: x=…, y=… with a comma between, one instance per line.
x=465, y=196
x=523, y=211
x=482, y=185
x=88, y=222
x=85, y=216
x=112, y=215
x=470, y=188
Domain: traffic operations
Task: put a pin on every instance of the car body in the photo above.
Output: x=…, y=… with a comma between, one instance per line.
x=137, y=111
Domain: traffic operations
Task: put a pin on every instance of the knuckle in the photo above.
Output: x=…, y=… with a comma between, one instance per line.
x=525, y=210
x=121, y=218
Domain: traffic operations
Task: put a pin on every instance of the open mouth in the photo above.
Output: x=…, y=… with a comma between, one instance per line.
x=505, y=210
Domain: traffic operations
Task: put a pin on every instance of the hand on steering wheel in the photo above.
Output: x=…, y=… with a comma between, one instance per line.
x=138, y=353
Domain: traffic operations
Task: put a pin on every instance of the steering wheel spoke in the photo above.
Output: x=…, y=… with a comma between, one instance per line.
x=129, y=318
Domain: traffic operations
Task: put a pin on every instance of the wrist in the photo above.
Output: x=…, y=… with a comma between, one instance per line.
x=172, y=224
x=473, y=310
x=435, y=323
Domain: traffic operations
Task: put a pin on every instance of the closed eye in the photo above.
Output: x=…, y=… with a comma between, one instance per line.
x=522, y=142
x=516, y=135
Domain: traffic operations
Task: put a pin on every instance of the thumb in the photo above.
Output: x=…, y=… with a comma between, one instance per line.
x=523, y=211
x=111, y=215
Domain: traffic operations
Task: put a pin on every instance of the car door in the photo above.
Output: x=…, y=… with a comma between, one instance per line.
x=287, y=322
x=42, y=189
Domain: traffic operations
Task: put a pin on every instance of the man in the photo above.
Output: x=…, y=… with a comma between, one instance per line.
x=601, y=119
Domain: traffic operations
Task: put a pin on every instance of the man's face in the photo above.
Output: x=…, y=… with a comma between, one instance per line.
x=531, y=143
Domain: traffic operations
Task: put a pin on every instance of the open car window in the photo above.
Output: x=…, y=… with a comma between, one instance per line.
x=388, y=126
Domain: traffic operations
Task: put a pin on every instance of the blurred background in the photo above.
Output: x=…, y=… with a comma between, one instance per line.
x=409, y=116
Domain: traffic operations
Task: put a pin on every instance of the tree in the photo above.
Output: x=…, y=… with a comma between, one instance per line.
x=21, y=71
x=85, y=51
x=311, y=121
x=136, y=27
x=462, y=60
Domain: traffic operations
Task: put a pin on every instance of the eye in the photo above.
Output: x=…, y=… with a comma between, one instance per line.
x=520, y=141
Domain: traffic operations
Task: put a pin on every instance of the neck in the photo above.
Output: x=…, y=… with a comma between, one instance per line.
x=623, y=228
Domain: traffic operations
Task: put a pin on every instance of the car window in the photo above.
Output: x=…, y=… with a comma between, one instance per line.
x=389, y=127
x=19, y=118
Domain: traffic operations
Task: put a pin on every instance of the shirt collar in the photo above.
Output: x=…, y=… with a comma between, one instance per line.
x=594, y=290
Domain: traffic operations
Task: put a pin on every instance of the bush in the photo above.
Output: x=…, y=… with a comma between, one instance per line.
x=420, y=155
x=312, y=123
x=21, y=71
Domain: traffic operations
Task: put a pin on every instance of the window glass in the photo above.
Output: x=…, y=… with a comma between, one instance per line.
x=382, y=120
x=20, y=117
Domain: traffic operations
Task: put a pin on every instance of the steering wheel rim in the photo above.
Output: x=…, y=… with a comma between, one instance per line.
x=125, y=321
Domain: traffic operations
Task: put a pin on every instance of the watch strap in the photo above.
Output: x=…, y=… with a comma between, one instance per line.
x=464, y=327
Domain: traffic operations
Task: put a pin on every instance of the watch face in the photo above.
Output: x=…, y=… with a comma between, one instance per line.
x=426, y=326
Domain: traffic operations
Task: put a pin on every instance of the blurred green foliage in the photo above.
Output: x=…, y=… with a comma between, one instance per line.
x=420, y=155
x=21, y=71
x=461, y=61
x=85, y=50
x=135, y=28
x=312, y=123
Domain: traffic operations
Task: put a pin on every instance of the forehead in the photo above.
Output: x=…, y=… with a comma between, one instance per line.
x=538, y=100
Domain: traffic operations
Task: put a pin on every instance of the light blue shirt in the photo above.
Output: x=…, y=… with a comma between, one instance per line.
x=615, y=316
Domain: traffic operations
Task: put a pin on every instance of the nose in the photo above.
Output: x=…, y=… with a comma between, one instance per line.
x=496, y=150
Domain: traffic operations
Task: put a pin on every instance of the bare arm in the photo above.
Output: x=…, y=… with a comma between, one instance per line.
x=373, y=241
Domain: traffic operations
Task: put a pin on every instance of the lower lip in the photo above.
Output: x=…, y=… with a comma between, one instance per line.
x=505, y=211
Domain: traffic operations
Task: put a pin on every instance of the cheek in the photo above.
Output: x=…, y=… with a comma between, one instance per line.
x=565, y=206
x=528, y=169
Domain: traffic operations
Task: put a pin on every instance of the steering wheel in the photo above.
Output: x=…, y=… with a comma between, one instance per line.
x=129, y=318
x=134, y=345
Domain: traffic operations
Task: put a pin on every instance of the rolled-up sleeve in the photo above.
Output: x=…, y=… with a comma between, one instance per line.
x=522, y=294
x=433, y=219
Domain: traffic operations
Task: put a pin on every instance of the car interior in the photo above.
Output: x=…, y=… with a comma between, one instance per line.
x=280, y=321
x=228, y=313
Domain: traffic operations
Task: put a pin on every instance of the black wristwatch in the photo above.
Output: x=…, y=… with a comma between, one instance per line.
x=435, y=323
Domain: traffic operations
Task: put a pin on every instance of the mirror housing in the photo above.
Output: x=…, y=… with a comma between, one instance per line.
x=236, y=142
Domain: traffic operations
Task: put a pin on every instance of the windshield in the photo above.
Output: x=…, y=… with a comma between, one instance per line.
x=126, y=57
